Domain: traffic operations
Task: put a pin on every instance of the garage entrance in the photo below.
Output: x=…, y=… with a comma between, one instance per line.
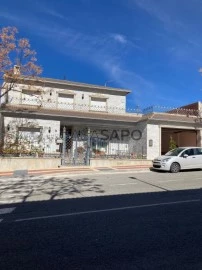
x=182, y=137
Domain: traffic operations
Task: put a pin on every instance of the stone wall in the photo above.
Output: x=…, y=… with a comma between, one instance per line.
x=137, y=143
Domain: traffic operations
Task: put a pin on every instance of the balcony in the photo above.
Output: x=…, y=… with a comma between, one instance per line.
x=40, y=103
x=47, y=109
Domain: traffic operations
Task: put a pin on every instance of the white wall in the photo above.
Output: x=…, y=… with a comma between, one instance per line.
x=49, y=98
x=48, y=142
x=154, y=134
x=11, y=164
x=199, y=138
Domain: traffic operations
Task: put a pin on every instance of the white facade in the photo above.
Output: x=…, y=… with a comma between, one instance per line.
x=143, y=137
x=153, y=141
x=33, y=135
x=42, y=134
x=68, y=98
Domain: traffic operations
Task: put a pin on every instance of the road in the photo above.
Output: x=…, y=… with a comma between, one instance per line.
x=108, y=221
x=63, y=186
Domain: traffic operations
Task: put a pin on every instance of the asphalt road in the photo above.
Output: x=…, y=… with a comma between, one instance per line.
x=67, y=186
x=157, y=227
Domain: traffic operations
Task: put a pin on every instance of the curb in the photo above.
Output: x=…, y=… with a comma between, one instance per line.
x=72, y=170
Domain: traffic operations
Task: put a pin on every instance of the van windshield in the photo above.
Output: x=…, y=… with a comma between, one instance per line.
x=174, y=152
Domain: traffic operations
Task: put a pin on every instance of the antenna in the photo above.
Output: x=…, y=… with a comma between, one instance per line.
x=108, y=82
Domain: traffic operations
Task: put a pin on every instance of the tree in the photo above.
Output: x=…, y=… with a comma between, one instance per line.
x=172, y=144
x=17, y=60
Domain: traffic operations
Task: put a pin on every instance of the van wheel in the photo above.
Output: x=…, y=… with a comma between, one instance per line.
x=175, y=167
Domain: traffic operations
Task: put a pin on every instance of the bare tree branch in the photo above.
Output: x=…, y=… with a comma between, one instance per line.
x=17, y=60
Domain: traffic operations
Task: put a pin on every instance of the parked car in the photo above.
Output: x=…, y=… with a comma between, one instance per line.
x=181, y=158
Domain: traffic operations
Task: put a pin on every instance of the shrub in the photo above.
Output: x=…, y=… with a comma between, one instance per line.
x=172, y=144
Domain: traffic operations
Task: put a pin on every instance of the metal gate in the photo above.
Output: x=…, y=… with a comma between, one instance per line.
x=76, y=148
x=79, y=146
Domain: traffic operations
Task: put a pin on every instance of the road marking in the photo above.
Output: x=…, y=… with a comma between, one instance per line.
x=165, y=181
x=1, y=219
x=107, y=210
x=6, y=210
x=123, y=184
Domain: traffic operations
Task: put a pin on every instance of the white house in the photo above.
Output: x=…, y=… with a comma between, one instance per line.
x=37, y=113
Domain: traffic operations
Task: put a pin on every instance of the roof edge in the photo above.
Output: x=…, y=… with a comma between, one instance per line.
x=71, y=83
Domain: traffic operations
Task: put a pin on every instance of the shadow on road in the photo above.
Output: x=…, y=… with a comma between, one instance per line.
x=164, y=232
x=50, y=188
x=159, y=171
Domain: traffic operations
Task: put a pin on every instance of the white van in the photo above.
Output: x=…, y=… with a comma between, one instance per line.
x=182, y=158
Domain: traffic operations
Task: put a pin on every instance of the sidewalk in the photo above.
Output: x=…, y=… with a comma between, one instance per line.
x=75, y=169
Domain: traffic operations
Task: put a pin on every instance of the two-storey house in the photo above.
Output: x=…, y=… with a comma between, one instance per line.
x=50, y=117
x=36, y=111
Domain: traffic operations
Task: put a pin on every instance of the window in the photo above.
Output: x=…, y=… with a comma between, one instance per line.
x=29, y=138
x=31, y=97
x=198, y=151
x=99, y=143
x=175, y=152
x=30, y=133
x=189, y=152
x=29, y=129
x=65, y=101
x=98, y=104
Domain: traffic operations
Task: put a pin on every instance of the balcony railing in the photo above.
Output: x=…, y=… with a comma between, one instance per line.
x=48, y=104
x=62, y=106
x=172, y=110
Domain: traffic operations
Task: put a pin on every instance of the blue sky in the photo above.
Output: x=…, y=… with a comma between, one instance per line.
x=152, y=47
